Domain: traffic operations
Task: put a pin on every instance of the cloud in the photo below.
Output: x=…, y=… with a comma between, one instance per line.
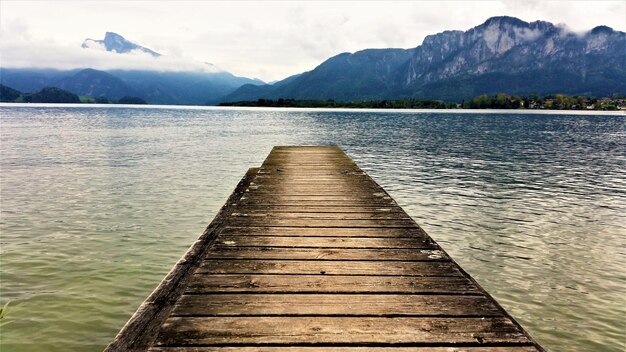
x=94, y=45
x=61, y=57
x=269, y=39
x=527, y=34
x=20, y=50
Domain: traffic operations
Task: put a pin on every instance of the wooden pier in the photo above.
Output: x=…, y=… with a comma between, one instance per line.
x=310, y=254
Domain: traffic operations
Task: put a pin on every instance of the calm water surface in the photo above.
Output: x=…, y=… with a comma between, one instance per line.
x=97, y=204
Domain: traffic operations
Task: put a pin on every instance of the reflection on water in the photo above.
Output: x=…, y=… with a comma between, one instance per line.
x=98, y=203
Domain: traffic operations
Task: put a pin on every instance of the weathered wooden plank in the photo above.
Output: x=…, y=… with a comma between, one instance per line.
x=312, y=168
x=376, y=203
x=290, y=267
x=319, y=162
x=349, y=203
x=286, y=180
x=274, y=177
x=305, y=159
x=262, y=222
x=313, y=191
x=338, y=185
x=320, y=186
x=320, y=191
x=277, y=209
x=280, y=172
x=366, y=194
x=315, y=188
x=294, y=156
x=482, y=348
x=181, y=331
x=295, y=173
x=285, y=170
x=278, y=177
x=345, y=173
x=298, y=155
x=333, y=305
x=289, y=184
x=203, y=283
x=309, y=161
x=305, y=180
x=379, y=197
x=225, y=252
x=324, y=232
x=313, y=149
x=385, y=215
x=331, y=151
x=291, y=157
x=324, y=242
x=323, y=187
x=324, y=206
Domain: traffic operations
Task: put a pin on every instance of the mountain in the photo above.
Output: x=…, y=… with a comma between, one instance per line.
x=195, y=88
x=94, y=83
x=504, y=54
x=155, y=87
x=32, y=79
x=247, y=90
x=8, y=94
x=52, y=95
x=116, y=43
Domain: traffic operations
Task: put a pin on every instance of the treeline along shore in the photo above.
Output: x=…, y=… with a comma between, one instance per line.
x=53, y=95
x=498, y=101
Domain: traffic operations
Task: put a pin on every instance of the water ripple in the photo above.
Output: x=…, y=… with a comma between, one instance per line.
x=99, y=203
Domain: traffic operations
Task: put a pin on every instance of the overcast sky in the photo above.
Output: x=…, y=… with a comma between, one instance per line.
x=266, y=40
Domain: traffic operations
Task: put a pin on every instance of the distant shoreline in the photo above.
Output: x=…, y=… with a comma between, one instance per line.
x=499, y=101
x=368, y=110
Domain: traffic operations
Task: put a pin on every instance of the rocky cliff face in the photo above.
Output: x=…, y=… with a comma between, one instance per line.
x=509, y=45
x=504, y=54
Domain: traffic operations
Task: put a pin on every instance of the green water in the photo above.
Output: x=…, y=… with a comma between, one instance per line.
x=97, y=204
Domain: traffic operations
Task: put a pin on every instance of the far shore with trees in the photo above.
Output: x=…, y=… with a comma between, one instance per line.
x=498, y=101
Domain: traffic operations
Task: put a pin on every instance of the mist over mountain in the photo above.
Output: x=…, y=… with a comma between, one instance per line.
x=504, y=54
x=207, y=84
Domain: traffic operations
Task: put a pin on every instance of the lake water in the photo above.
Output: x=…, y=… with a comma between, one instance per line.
x=99, y=202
